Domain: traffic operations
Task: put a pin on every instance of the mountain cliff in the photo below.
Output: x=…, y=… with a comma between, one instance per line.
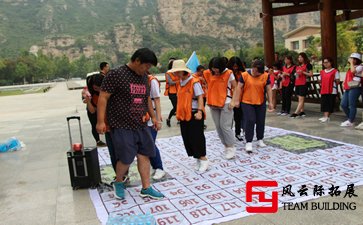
x=118, y=27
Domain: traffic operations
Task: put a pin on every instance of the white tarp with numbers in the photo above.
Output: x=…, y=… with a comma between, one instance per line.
x=218, y=195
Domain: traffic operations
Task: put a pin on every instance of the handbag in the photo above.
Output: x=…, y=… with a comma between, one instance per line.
x=354, y=84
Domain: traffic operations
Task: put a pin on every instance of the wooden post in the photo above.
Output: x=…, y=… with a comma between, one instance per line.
x=268, y=32
x=328, y=30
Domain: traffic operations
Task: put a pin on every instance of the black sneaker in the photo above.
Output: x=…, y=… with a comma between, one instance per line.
x=294, y=115
x=168, y=123
x=239, y=137
x=302, y=114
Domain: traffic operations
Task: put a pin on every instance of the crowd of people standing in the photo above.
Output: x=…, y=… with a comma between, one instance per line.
x=129, y=113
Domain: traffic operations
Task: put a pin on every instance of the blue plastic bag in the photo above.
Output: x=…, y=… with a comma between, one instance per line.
x=141, y=219
x=12, y=144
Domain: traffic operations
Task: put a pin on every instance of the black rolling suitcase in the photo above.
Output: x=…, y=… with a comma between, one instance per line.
x=84, y=167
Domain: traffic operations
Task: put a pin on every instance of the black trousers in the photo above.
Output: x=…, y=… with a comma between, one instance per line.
x=286, y=98
x=237, y=116
x=174, y=100
x=193, y=137
x=254, y=115
x=93, y=120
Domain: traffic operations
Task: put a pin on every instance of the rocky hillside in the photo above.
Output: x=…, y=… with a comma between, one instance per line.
x=117, y=27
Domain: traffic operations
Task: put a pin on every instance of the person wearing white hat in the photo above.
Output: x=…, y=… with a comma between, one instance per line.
x=191, y=114
x=352, y=89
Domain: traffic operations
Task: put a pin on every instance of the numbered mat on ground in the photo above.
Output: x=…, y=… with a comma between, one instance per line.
x=291, y=159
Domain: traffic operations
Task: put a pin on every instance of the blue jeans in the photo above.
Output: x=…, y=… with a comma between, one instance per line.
x=349, y=102
x=155, y=162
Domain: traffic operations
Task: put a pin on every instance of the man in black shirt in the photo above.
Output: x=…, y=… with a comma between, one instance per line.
x=125, y=99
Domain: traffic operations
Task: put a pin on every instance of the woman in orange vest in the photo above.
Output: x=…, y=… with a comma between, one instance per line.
x=329, y=78
x=221, y=82
x=235, y=64
x=352, y=89
x=254, y=84
x=303, y=70
x=190, y=112
x=171, y=90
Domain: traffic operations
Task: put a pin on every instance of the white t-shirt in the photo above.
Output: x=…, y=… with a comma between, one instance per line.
x=336, y=77
x=229, y=88
x=198, y=90
x=154, y=93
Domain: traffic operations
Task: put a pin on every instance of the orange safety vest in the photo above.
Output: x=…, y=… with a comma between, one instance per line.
x=348, y=77
x=217, y=89
x=185, y=98
x=327, y=81
x=202, y=83
x=207, y=74
x=254, y=88
x=301, y=79
x=287, y=79
x=170, y=89
x=150, y=78
x=237, y=77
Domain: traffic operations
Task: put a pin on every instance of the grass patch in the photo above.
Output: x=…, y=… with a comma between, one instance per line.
x=23, y=92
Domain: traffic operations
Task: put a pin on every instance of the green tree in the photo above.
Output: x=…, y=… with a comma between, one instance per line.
x=314, y=47
x=175, y=53
x=21, y=72
x=345, y=42
x=359, y=39
x=229, y=53
x=63, y=67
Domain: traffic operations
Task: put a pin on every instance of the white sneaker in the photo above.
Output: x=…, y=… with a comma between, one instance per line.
x=322, y=118
x=249, y=147
x=230, y=152
x=159, y=173
x=325, y=120
x=346, y=124
x=360, y=126
x=261, y=144
x=197, y=165
x=203, y=165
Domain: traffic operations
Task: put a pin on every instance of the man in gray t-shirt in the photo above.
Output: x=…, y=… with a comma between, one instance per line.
x=125, y=99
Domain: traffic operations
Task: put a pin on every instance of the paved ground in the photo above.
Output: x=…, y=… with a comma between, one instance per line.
x=35, y=186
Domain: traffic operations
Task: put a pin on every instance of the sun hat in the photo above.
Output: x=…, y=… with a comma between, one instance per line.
x=356, y=55
x=179, y=65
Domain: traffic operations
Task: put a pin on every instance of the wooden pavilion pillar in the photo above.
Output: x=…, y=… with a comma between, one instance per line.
x=268, y=32
x=328, y=30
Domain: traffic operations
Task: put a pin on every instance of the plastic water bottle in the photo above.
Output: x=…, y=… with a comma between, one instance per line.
x=12, y=144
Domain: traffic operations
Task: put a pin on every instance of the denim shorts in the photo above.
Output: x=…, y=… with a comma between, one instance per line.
x=130, y=143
